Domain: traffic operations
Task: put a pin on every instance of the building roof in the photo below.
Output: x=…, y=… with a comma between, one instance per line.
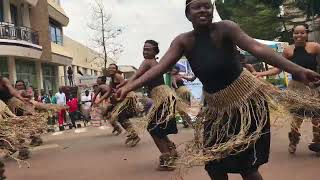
x=127, y=68
x=83, y=56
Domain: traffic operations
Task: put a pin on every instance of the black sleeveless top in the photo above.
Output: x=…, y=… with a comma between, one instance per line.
x=5, y=95
x=216, y=67
x=154, y=83
x=304, y=59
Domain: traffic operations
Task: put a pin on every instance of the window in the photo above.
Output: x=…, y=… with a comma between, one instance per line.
x=14, y=14
x=49, y=77
x=4, y=67
x=56, y=33
x=26, y=71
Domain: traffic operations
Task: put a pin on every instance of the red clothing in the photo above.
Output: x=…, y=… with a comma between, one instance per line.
x=73, y=105
x=61, y=115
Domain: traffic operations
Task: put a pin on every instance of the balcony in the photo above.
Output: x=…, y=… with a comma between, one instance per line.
x=12, y=32
x=19, y=41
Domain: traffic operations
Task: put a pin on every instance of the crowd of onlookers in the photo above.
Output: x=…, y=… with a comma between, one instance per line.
x=75, y=110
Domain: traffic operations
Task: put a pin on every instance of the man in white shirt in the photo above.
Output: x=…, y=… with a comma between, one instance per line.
x=86, y=104
x=61, y=100
x=61, y=97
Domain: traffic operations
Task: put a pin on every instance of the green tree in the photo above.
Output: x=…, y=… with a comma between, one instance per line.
x=259, y=18
x=310, y=7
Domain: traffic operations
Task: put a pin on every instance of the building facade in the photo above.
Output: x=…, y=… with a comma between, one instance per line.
x=32, y=45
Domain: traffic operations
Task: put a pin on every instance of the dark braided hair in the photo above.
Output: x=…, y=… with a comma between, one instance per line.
x=155, y=45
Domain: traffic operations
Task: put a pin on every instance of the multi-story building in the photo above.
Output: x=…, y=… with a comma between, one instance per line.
x=32, y=44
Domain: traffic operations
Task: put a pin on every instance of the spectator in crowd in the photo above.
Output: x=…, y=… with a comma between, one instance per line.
x=53, y=99
x=73, y=108
x=61, y=100
x=70, y=75
x=86, y=104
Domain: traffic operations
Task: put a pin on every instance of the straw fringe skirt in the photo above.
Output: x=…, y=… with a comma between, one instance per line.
x=127, y=108
x=16, y=105
x=161, y=117
x=184, y=93
x=301, y=88
x=232, y=132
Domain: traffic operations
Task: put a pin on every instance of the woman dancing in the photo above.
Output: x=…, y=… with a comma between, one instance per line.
x=305, y=54
x=161, y=116
x=236, y=108
x=124, y=110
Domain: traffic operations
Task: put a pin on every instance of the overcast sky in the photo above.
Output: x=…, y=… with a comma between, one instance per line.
x=160, y=20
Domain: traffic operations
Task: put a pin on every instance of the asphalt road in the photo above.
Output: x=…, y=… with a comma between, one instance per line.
x=94, y=154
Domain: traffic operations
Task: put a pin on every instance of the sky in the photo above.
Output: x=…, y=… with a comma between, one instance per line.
x=161, y=20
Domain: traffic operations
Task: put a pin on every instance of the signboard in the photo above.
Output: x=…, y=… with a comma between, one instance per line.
x=196, y=86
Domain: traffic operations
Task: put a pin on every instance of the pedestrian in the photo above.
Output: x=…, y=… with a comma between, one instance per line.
x=73, y=108
x=235, y=101
x=61, y=100
x=70, y=75
x=86, y=104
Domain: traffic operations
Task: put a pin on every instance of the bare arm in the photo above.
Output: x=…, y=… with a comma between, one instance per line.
x=142, y=69
x=174, y=82
x=173, y=54
x=189, y=78
x=95, y=95
x=105, y=96
x=12, y=90
x=250, y=68
x=259, y=50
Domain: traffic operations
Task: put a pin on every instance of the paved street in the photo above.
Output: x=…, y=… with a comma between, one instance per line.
x=94, y=154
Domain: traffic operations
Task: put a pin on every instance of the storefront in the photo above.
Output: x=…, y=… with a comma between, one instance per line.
x=4, y=67
x=26, y=71
x=49, y=74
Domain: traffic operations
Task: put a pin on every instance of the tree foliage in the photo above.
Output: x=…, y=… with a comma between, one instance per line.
x=310, y=7
x=259, y=18
x=105, y=33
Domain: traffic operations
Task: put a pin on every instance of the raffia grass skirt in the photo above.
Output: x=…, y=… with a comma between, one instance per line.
x=16, y=105
x=300, y=88
x=5, y=112
x=160, y=121
x=17, y=131
x=232, y=132
x=127, y=108
x=184, y=93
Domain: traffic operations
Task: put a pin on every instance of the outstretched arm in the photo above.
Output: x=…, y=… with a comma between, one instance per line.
x=13, y=91
x=259, y=50
x=250, y=68
x=189, y=78
x=142, y=69
x=174, y=82
x=95, y=95
x=173, y=54
x=105, y=96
